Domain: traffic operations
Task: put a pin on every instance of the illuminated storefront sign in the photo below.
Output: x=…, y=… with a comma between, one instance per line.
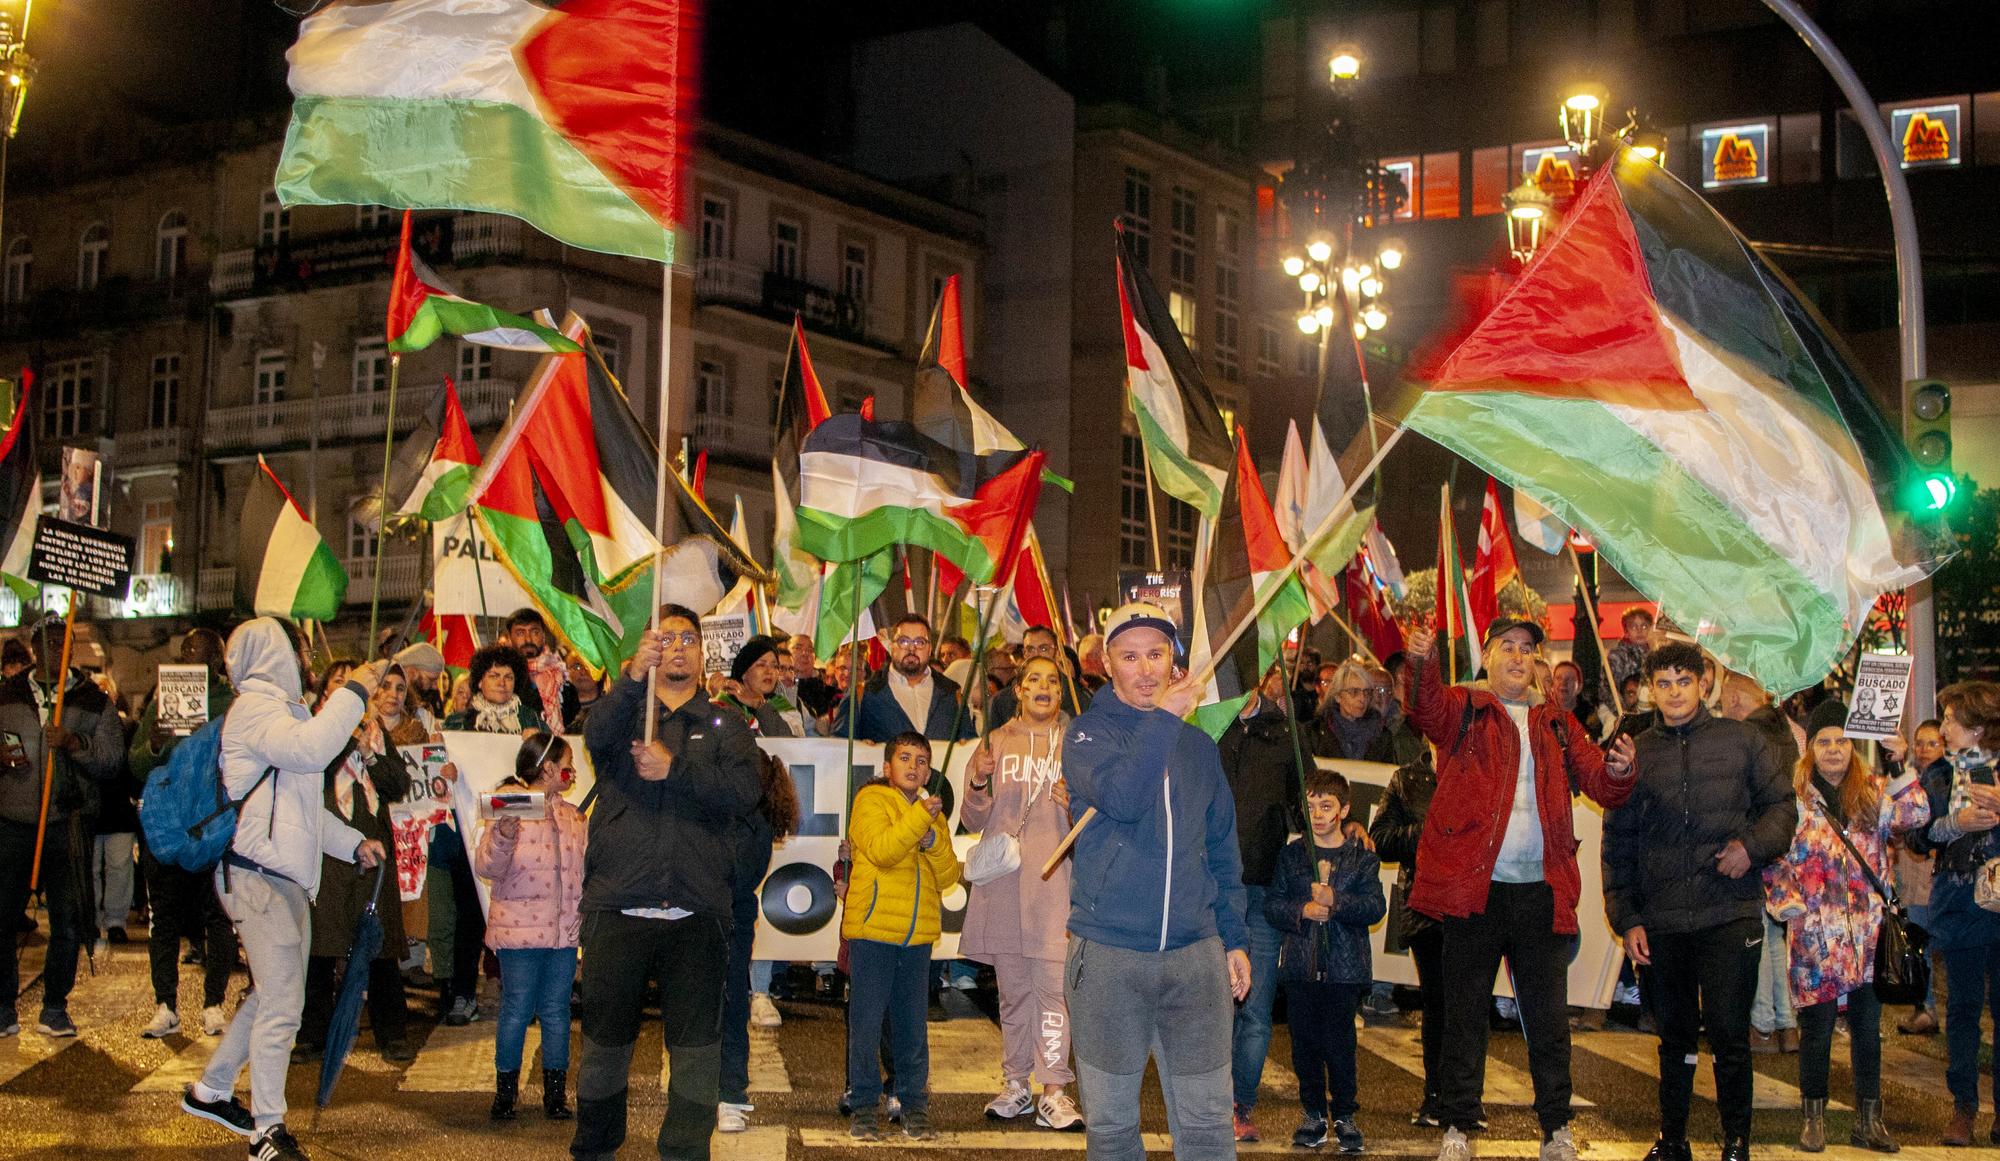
x=1552, y=168
x=1926, y=134
x=1736, y=155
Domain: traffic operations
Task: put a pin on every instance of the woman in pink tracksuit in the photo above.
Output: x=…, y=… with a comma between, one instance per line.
x=1016, y=922
x=533, y=923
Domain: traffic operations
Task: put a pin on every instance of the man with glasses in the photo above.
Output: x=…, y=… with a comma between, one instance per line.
x=907, y=695
x=1040, y=641
x=656, y=887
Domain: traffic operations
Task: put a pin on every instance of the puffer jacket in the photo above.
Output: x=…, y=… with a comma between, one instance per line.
x=536, y=878
x=1262, y=764
x=1700, y=785
x=1333, y=950
x=1475, y=793
x=894, y=893
x=83, y=778
x=1398, y=828
x=284, y=827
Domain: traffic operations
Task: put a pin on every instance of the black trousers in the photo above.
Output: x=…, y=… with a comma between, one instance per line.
x=468, y=935
x=1864, y=1044
x=185, y=907
x=621, y=953
x=66, y=910
x=1518, y=926
x=1427, y=952
x=1321, y=1016
x=1706, y=979
x=387, y=1013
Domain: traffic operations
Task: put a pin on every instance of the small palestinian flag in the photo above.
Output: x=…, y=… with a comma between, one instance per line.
x=421, y=310
x=1493, y=566
x=1369, y=613
x=20, y=490
x=432, y=473
x=1187, y=444
x=1458, y=647
x=283, y=567
x=1656, y=383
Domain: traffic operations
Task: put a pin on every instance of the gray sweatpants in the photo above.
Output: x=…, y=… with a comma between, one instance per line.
x=273, y=920
x=1172, y=1005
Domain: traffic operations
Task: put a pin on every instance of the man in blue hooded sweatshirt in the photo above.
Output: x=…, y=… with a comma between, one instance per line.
x=1157, y=947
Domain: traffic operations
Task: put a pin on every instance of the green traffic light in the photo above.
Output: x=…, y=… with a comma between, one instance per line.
x=1939, y=489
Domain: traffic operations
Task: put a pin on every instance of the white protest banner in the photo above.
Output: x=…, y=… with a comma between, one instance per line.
x=1881, y=689
x=182, y=699
x=411, y=820
x=466, y=576
x=721, y=638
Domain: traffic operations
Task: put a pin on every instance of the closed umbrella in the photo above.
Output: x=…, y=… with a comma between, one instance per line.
x=345, y=1023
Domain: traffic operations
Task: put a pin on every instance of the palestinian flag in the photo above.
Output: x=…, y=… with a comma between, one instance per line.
x=801, y=407
x=283, y=567
x=421, y=310
x=1246, y=557
x=563, y=500
x=1369, y=613
x=20, y=490
x=837, y=601
x=576, y=118
x=1493, y=566
x=1653, y=381
x=431, y=476
x=942, y=406
x=455, y=636
x=1187, y=445
x=1458, y=647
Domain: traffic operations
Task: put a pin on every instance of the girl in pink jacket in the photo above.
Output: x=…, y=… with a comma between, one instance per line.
x=535, y=868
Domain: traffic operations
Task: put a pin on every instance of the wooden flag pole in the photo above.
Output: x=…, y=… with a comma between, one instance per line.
x=1353, y=636
x=382, y=530
x=1597, y=632
x=1152, y=513
x=48, y=752
x=660, y=466
x=1264, y=596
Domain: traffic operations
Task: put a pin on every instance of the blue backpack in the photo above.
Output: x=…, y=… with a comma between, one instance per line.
x=188, y=816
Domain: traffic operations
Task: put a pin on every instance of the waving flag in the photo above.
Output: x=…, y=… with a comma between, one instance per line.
x=1289, y=506
x=1369, y=613
x=1187, y=445
x=801, y=407
x=574, y=118
x=431, y=476
x=1456, y=639
x=421, y=310
x=1493, y=566
x=1652, y=380
x=283, y=566
x=1341, y=442
x=1538, y=525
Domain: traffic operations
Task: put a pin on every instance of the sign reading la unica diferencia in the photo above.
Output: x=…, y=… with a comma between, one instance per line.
x=77, y=556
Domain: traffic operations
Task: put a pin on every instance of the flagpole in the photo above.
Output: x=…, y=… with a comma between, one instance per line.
x=49, y=754
x=1263, y=598
x=660, y=464
x=1353, y=636
x=853, y=678
x=1596, y=630
x=382, y=530
x=1152, y=514
x=1449, y=601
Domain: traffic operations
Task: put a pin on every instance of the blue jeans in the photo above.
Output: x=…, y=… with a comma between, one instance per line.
x=887, y=982
x=1771, y=1005
x=1972, y=982
x=760, y=976
x=1250, y=1038
x=534, y=984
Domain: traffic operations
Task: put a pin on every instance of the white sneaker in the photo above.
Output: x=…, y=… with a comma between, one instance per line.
x=213, y=1021
x=732, y=1118
x=166, y=1022
x=1560, y=1146
x=1455, y=1147
x=1014, y=1100
x=763, y=1013
x=1056, y=1111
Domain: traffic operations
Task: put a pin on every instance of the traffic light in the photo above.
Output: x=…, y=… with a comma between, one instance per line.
x=1927, y=428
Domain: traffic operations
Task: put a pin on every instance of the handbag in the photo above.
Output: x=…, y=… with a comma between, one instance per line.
x=998, y=853
x=1986, y=885
x=1902, y=970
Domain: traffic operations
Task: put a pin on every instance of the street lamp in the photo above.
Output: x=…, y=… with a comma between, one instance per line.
x=1582, y=116
x=1345, y=66
x=17, y=72
x=1527, y=206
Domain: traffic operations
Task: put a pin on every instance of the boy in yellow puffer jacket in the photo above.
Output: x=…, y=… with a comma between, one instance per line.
x=903, y=863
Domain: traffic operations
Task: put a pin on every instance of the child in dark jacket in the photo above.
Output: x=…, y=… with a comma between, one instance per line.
x=1325, y=894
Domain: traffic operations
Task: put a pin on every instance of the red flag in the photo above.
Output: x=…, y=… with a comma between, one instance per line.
x=1371, y=616
x=699, y=485
x=454, y=636
x=1494, y=565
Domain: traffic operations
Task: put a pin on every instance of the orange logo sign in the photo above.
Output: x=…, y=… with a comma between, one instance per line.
x=1555, y=176
x=1926, y=139
x=1736, y=159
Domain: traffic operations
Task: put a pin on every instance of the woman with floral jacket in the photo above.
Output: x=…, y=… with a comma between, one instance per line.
x=1833, y=914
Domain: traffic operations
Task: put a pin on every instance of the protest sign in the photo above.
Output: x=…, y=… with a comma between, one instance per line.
x=1171, y=590
x=80, y=557
x=466, y=577
x=1881, y=688
x=721, y=638
x=182, y=700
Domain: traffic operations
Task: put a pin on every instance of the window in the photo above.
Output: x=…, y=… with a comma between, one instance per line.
x=1798, y=147
x=371, y=366
x=1132, y=503
x=1489, y=180
x=20, y=269
x=170, y=247
x=1138, y=216
x=1180, y=252
x=1267, y=351
x=786, y=236
x=1177, y=546
x=1307, y=360
x=475, y=362
x=374, y=217
x=274, y=221
x=1401, y=170
x=268, y=386
x=156, y=536
x=717, y=239
x=854, y=273
x=1228, y=296
x=611, y=348
x=1985, y=128
x=1181, y=306
x=1440, y=49
x=361, y=542
x=711, y=388
x=69, y=402
x=91, y=254
x=1439, y=198
x=163, y=402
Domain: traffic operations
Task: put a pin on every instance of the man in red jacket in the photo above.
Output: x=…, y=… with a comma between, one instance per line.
x=1497, y=865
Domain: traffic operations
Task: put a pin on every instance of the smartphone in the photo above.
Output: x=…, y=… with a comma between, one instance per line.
x=1983, y=776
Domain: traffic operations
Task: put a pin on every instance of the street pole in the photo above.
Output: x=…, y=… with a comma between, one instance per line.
x=1910, y=305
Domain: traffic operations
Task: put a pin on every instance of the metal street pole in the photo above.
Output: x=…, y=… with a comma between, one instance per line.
x=1910, y=304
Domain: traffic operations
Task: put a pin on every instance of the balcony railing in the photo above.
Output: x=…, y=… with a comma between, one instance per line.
x=304, y=262
x=727, y=435
x=346, y=415
x=158, y=445
x=743, y=284
x=399, y=581
x=160, y=594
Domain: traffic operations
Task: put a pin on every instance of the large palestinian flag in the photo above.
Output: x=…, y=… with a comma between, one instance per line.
x=1656, y=383
x=575, y=118
x=1187, y=444
x=283, y=566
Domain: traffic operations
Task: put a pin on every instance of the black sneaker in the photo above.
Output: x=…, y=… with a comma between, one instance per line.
x=865, y=1126
x=1426, y=1118
x=276, y=1144
x=227, y=1112
x=1310, y=1134
x=10, y=1024
x=1348, y=1134
x=917, y=1125
x=56, y=1022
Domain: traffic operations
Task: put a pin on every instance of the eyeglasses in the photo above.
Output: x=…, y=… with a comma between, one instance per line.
x=1362, y=689
x=685, y=639
x=912, y=642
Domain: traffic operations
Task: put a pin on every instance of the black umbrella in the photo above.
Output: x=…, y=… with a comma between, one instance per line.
x=345, y=1024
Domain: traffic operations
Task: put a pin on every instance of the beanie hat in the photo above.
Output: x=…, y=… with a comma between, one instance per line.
x=753, y=651
x=1829, y=714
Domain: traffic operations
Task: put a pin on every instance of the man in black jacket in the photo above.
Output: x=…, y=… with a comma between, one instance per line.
x=656, y=888
x=1398, y=825
x=1681, y=887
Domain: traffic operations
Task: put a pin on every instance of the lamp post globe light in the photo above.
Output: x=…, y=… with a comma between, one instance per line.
x=17, y=72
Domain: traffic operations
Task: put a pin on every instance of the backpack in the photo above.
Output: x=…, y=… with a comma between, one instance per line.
x=188, y=816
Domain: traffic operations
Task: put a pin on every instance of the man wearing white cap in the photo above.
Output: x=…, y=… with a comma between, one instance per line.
x=1157, y=943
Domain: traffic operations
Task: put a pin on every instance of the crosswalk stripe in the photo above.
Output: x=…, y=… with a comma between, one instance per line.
x=460, y=1059
x=982, y=1142
x=764, y=1143
x=767, y=1071
x=22, y=1052
x=182, y=1067
x=965, y=1056
x=1641, y=1053
x=1911, y=1069
x=1505, y=1084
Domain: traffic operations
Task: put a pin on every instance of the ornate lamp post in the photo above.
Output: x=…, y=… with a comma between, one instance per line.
x=17, y=72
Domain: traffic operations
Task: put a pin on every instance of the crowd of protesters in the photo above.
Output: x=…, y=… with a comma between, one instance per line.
x=1750, y=853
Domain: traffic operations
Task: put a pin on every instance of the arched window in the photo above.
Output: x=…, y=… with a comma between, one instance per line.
x=170, y=247
x=20, y=269
x=91, y=254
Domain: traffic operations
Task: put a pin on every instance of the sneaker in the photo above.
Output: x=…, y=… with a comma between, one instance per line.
x=464, y=1010
x=1310, y=1134
x=10, y=1025
x=1455, y=1147
x=1246, y=1129
x=1056, y=1111
x=166, y=1022
x=764, y=1013
x=1349, y=1135
x=227, y=1112
x=894, y=1107
x=1763, y=1043
x=117, y=935
x=1013, y=1101
x=917, y=1126
x=1560, y=1146
x=864, y=1126
x=731, y=1118
x=276, y=1144
x=55, y=1022
x=1426, y=1117
x=214, y=1022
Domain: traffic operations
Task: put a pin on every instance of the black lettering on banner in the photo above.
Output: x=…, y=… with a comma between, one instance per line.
x=775, y=898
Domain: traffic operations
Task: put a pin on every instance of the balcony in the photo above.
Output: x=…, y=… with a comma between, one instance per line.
x=304, y=263
x=119, y=301
x=725, y=435
x=399, y=582
x=727, y=282
x=346, y=416
x=152, y=447
x=152, y=595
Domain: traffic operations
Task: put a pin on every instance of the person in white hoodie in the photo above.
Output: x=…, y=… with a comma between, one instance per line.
x=274, y=759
